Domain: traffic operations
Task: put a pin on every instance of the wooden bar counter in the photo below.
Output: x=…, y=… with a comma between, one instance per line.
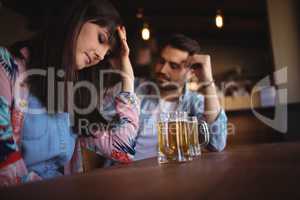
x=258, y=171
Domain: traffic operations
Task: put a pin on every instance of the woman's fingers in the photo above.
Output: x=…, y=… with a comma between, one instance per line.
x=122, y=34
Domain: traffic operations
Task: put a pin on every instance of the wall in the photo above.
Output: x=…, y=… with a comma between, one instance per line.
x=285, y=35
x=13, y=27
x=254, y=60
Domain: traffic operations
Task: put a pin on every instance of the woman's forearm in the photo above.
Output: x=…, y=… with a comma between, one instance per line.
x=127, y=76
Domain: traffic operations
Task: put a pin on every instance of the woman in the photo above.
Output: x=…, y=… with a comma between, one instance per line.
x=40, y=115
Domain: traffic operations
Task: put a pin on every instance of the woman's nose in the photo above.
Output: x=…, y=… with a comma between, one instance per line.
x=98, y=56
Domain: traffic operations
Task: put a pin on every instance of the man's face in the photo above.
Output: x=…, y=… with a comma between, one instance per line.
x=170, y=69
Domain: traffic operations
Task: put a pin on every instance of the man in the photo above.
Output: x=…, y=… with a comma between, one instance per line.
x=179, y=58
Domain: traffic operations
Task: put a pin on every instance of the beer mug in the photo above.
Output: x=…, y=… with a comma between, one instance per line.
x=178, y=137
x=173, y=138
x=194, y=134
x=167, y=127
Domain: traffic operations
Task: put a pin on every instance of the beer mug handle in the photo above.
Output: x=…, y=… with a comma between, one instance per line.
x=204, y=130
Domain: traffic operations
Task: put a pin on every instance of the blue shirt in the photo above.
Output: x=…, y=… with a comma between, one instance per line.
x=190, y=102
x=48, y=141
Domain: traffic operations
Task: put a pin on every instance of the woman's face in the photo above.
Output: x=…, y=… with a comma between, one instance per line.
x=92, y=45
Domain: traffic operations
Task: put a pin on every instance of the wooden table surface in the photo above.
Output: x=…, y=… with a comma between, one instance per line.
x=262, y=171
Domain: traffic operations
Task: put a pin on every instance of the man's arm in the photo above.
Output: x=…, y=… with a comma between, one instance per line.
x=213, y=114
x=203, y=70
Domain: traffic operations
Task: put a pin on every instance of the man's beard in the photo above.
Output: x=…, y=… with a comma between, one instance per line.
x=169, y=86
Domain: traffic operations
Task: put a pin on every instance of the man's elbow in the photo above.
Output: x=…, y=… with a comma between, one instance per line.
x=218, y=143
x=217, y=148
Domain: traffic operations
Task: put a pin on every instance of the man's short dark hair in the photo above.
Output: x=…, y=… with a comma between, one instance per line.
x=181, y=42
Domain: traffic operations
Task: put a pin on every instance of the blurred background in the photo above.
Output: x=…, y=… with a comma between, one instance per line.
x=248, y=40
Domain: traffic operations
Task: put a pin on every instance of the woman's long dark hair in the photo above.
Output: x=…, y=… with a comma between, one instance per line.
x=54, y=47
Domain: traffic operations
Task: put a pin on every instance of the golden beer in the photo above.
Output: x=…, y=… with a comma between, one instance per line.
x=167, y=141
x=173, y=141
x=184, y=140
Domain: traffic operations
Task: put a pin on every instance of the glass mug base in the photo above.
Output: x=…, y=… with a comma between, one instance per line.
x=196, y=150
x=163, y=159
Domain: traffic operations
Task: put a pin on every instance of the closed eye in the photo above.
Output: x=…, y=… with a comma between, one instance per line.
x=102, y=39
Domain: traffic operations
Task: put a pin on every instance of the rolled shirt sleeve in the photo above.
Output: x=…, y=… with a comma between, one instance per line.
x=218, y=133
x=217, y=129
x=116, y=140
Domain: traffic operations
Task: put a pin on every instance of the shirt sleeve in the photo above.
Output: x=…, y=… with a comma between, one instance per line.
x=117, y=139
x=217, y=129
x=12, y=166
x=218, y=133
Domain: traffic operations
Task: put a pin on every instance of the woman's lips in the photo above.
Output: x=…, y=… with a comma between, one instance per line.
x=88, y=60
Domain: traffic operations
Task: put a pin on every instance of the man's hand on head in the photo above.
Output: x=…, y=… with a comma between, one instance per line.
x=201, y=67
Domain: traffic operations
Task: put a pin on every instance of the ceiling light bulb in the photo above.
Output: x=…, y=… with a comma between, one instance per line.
x=219, y=19
x=145, y=33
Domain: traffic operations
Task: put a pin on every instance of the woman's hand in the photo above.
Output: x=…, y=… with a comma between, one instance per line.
x=126, y=67
x=122, y=35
